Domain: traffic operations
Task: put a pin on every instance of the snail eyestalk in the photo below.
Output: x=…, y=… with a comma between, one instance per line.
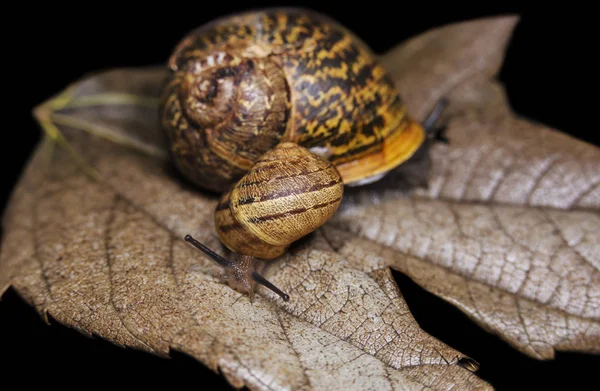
x=435, y=133
x=435, y=114
x=213, y=255
x=239, y=274
x=263, y=281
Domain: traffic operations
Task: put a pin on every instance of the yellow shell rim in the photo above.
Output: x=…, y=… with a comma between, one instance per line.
x=397, y=149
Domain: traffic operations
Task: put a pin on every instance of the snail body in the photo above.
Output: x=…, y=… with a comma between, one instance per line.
x=288, y=193
x=277, y=110
x=240, y=85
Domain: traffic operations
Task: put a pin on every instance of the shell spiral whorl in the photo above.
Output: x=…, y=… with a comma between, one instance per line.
x=222, y=112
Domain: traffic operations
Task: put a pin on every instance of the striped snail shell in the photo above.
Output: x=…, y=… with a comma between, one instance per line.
x=286, y=195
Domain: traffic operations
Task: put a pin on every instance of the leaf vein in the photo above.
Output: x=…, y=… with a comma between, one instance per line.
x=289, y=341
x=43, y=272
x=585, y=193
x=107, y=238
x=553, y=161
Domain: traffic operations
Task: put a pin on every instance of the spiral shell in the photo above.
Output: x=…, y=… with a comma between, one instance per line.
x=286, y=195
x=241, y=85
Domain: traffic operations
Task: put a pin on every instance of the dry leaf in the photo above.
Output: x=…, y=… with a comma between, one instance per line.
x=106, y=256
x=98, y=244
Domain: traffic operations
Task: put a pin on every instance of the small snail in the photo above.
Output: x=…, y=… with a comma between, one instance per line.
x=278, y=110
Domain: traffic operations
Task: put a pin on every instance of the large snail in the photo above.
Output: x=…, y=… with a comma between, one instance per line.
x=278, y=110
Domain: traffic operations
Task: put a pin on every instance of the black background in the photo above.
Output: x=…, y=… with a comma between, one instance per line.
x=550, y=73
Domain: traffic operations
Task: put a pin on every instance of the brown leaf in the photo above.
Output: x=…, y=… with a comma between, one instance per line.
x=508, y=229
x=94, y=237
x=97, y=242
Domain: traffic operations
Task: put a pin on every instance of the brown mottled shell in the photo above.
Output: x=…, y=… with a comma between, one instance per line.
x=286, y=195
x=240, y=85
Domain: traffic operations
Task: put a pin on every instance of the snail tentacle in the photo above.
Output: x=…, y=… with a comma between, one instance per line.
x=436, y=132
x=239, y=274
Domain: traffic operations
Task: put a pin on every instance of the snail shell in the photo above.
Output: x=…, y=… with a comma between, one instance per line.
x=241, y=85
x=288, y=193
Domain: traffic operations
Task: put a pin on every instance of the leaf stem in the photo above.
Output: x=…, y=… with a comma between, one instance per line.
x=112, y=99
